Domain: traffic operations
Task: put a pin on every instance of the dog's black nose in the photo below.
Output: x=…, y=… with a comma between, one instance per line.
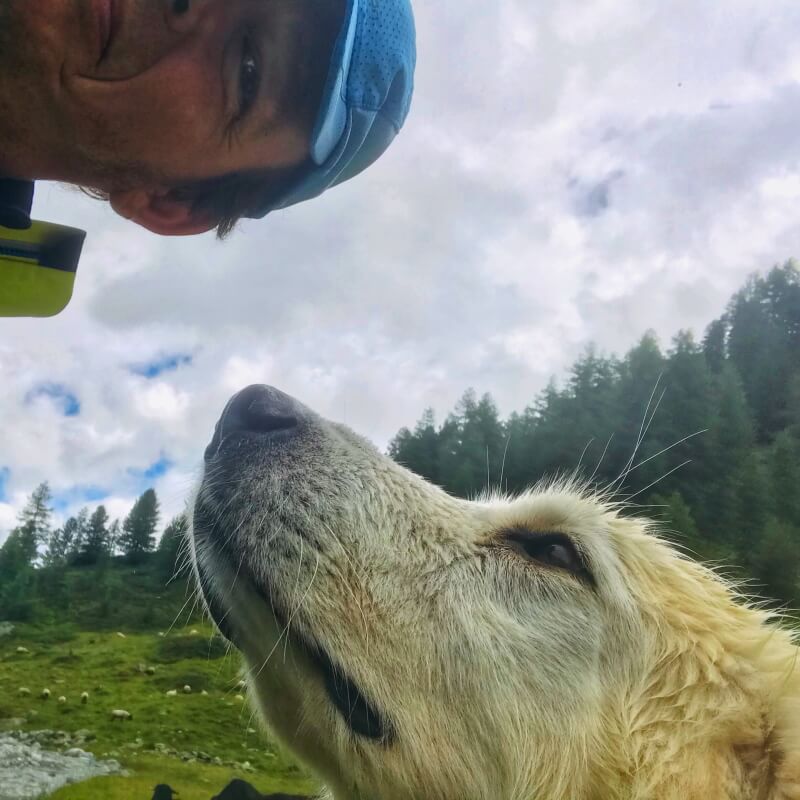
x=255, y=410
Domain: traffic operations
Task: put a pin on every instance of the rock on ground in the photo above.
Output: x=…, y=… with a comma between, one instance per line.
x=28, y=772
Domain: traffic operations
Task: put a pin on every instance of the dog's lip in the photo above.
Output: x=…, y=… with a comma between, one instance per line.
x=220, y=615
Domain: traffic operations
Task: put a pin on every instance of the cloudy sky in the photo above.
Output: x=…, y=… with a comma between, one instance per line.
x=573, y=171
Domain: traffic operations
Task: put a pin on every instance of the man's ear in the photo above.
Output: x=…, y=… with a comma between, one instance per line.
x=161, y=212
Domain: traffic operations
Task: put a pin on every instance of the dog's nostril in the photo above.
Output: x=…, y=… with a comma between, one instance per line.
x=259, y=417
x=256, y=409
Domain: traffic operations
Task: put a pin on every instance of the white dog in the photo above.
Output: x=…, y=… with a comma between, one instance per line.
x=408, y=645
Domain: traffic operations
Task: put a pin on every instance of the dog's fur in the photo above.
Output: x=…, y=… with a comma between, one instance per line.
x=499, y=677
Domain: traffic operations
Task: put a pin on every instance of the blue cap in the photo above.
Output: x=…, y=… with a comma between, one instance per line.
x=366, y=98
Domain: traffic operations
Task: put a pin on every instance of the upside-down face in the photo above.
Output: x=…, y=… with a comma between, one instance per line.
x=404, y=643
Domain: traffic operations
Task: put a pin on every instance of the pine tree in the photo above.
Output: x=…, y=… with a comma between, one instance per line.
x=418, y=450
x=172, y=544
x=20, y=551
x=730, y=473
x=139, y=528
x=16, y=556
x=34, y=520
x=715, y=344
x=114, y=534
x=95, y=542
x=775, y=561
x=764, y=344
x=79, y=530
x=61, y=546
x=677, y=521
x=785, y=468
x=639, y=389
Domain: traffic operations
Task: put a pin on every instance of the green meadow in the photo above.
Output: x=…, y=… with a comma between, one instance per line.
x=196, y=742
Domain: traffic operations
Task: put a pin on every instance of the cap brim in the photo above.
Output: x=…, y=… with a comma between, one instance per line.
x=332, y=118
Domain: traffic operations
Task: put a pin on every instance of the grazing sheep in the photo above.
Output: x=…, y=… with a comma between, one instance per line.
x=121, y=715
x=62, y=700
x=172, y=693
x=187, y=689
x=121, y=635
x=545, y=647
x=22, y=650
x=204, y=693
x=45, y=695
x=23, y=691
x=150, y=671
x=84, y=698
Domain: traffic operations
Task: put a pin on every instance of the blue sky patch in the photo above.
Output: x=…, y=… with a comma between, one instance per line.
x=61, y=396
x=168, y=363
x=78, y=496
x=156, y=470
x=5, y=474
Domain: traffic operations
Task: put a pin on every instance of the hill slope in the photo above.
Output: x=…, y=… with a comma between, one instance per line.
x=195, y=742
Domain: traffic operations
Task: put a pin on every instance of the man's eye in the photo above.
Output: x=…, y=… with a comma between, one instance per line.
x=249, y=78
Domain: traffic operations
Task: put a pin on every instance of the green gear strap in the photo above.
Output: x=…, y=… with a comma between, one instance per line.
x=37, y=269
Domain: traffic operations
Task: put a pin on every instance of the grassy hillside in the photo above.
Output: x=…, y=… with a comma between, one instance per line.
x=195, y=742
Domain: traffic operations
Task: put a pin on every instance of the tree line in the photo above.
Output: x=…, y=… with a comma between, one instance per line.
x=86, y=540
x=704, y=435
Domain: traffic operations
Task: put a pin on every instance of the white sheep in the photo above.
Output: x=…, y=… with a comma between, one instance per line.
x=22, y=650
x=204, y=693
x=121, y=715
x=24, y=691
x=45, y=695
x=121, y=635
x=187, y=689
x=172, y=693
x=62, y=700
x=84, y=698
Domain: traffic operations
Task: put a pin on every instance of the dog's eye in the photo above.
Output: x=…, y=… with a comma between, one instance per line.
x=548, y=549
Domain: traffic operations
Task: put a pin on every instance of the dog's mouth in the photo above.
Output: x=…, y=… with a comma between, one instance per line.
x=360, y=714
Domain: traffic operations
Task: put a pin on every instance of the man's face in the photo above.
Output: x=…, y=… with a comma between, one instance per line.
x=140, y=87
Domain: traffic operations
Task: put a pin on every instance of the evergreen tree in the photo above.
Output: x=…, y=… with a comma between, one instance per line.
x=20, y=551
x=172, y=544
x=16, y=556
x=715, y=344
x=753, y=505
x=139, y=528
x=764, y=344
x=418, y=450
x=677, y=520
x=775, y=561
x=637, y=438
x=114, y=534
x=79, y=530
x=728, y=467
x=785, y=468
x=95, y=545
x=62, y=540
x=34, y=520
